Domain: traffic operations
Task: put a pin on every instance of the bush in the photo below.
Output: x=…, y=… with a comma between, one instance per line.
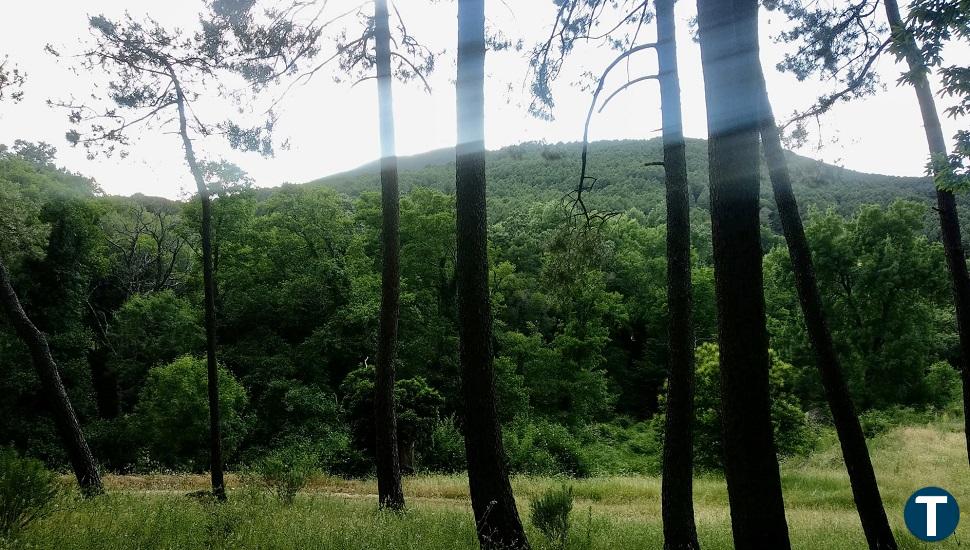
x=288, y=469
x=877, y=421
x=151, y=330
x=115, y=441
x=293, y=411
x=445, y=450
x=550, y=515
x=942, y=382
x=27, y=491
x=620, y=448
x=417, y=405
x=541, y=447
x=793, y=434
x=172, y=414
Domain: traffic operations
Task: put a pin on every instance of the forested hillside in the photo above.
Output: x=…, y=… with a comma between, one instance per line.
x=662, y=342
x=580, y=334
x=536, y=172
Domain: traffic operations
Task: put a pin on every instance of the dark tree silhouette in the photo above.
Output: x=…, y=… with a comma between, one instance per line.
x=389, y=489
x=68, y=428
x=496, y=517
x=209, y=294
x=855, y=452
x=397, y=55
x=678, y=458
x=728, y=33
x=150, y=68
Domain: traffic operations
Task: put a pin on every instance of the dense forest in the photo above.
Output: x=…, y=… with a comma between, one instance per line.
x=710, y=341
x=580, y=339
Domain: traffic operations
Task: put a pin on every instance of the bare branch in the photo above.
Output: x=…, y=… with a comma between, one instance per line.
x=624, y=87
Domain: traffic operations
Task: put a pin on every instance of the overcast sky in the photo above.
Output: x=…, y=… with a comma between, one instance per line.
x=333, y=127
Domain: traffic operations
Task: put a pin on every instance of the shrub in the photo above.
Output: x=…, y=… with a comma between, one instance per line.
x=877, y=421
x=172, y=414
x=445, y=450
x=291, y=410
x=620, y=448
x=417, y=405
x=550, y=515
x=793, y=433
x=27, y=491
x=150, y=330
x=541, y=447
x=115, y=441
x=287, y=469
x=942, y=382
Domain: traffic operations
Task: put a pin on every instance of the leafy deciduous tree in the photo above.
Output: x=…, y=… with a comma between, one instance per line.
x=844, y=42
x=82, y=461
x=67, y=425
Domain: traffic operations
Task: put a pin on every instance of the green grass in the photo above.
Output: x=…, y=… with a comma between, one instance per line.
x=611, y=513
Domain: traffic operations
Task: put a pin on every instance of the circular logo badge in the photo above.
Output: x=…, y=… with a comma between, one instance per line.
x=931, y=514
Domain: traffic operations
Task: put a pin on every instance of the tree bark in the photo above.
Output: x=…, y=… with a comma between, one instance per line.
x=855, y=452
x=389, y=490
x=496, y=517
x=946, y=205
x=729, y=54
x=680, y=531
x=68, y=428
x=209, y=291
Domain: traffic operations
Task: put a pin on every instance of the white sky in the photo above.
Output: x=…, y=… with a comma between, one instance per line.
x=333, y=127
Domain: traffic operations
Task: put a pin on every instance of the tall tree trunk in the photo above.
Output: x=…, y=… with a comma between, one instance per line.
x=865, y=491
x=68, y=428
x=209, y=291
x=728, y=32
x=946, y=205
x=496, y=517
x=389, y=490
x=680, y=531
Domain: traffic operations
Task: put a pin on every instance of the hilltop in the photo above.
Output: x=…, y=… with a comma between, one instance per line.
x=536, y=172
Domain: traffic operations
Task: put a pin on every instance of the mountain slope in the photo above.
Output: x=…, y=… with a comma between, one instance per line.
x=532, y=172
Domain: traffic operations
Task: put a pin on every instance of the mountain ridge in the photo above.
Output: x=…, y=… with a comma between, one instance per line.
x=528, y=173
x=446, y=155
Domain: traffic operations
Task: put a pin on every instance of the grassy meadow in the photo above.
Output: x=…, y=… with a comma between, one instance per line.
x=611, y=513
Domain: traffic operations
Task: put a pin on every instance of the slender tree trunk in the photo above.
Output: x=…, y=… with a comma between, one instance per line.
x=69, y=429
x=680, y=532
x=729, y=54
x=946, y=205
x=854, y=450
x=209, y=291
x=389, y=490
x=496, y=517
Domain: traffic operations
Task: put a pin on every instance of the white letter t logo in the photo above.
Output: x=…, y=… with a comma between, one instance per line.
x=931, y=502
